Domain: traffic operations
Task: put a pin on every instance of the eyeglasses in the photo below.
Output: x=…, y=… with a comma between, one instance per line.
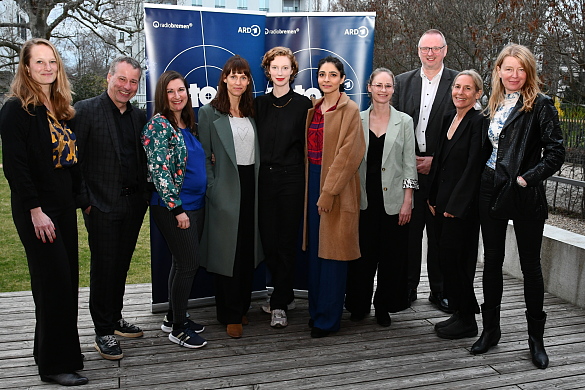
x=435, y=49
x=382, y=86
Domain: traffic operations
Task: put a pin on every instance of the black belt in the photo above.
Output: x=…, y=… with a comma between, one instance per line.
x=127, y=191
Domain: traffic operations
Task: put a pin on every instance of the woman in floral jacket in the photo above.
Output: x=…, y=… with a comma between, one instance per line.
x=176, y=167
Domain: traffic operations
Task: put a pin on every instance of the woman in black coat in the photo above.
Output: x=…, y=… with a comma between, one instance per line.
x=455, y=175
x=525, y=146
x=40, y=163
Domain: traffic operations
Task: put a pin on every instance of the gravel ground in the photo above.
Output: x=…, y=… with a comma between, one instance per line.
x=574, y=225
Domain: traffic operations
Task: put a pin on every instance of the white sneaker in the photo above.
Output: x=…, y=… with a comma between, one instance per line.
x=266, y=306
x=278, y=319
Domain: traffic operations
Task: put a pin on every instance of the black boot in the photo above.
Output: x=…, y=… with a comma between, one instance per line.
x=464, y=326
x=448, y=321
x=490, y=336
x=535, y=342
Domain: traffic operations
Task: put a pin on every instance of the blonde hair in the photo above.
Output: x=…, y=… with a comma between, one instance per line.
x=477, y=80
x=25, y=88
x=530, y=89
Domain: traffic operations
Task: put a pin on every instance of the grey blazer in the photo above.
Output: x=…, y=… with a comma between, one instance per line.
x=99, y=151
x=398, y=159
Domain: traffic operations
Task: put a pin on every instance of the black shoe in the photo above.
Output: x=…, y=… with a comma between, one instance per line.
x=535, y=340
x=464, y=326
x=383, y=318
x=440, y=303
x=125, y=329
x=311, y=323
x=356, y=317
x=66, y=379
x=412, y=295
x=317, y=333
x=108, y=347
x=447, y=322
x=167, y=326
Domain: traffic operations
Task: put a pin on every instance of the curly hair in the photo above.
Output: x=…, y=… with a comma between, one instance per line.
x=280, y=51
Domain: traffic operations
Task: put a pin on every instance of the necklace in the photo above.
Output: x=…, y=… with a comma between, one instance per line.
x=284, y=105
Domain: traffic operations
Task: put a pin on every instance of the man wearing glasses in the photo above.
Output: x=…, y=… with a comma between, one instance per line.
x=424, y=94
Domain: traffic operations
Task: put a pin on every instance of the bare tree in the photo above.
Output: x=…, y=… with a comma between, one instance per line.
x=53, y=19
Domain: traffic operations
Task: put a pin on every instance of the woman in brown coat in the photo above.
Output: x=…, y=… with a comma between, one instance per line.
x=335, y=142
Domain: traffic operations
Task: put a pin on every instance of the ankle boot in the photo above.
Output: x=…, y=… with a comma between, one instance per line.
x=490, y=336
x=448, y=321
x=535, y=342
x=464, y=326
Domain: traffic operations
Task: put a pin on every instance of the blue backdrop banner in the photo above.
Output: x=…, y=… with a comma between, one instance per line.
x=197, y=41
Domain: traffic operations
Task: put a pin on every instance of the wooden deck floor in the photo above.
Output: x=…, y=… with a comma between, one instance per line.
x=362, y=355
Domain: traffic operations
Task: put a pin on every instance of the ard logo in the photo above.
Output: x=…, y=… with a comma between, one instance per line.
x=361, y=32
x=252, y=30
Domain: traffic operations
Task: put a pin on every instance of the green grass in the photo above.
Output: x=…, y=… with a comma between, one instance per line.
x=14, y=274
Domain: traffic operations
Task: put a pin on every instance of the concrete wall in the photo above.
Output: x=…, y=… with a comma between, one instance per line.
x=563, y=262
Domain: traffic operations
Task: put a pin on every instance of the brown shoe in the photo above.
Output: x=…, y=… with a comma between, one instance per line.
x=245, y=320
x=235, y=330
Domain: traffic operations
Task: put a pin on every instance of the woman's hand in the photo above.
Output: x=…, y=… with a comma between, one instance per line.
x=405, y=213
x=447, y=215
x=44, y=227
x=322, y=210
x=183, y=221
x=521, y=182
x=432, y=208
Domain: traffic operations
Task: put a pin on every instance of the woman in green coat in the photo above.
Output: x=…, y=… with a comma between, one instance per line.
x=231, y=243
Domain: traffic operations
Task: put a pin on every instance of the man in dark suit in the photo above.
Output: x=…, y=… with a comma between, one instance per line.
x=113, y=167
x=424, y=94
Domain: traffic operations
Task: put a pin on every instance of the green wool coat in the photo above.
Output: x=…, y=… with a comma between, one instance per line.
x=222, y=201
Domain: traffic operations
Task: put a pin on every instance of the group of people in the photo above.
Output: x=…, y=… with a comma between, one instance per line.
x=237, y=187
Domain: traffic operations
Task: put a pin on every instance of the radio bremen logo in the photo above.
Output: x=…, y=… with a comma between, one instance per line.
x=361, y=31
x=253, y=30
x=157, y=24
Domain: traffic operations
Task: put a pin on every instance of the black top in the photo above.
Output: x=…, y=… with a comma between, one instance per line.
x=128, y=143
x=281, y=128
x=374, y=172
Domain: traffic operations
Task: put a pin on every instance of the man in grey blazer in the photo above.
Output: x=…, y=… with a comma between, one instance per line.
x=113, y=168
x=425, y=95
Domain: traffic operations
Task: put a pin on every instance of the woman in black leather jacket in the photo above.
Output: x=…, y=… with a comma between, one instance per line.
x=524, y=142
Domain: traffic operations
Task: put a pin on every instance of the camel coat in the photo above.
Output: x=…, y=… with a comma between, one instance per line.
x=343, y=149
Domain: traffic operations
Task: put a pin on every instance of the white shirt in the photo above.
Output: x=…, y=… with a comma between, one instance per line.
x=427, y=97
x=243, y=133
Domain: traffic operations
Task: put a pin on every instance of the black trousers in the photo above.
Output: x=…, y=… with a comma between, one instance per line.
x=54, y=274
x=112, y=238
x=421, y=217
x=458, y=239
x=233, y=294
x=281, y=193
x=384, y=247
x=184, y=247
x=529, y=241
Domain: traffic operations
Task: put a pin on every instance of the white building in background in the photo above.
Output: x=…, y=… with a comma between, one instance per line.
x=133, y=45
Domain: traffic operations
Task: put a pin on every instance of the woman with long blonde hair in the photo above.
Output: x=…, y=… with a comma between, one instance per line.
x=523, y=146
x=40, y=163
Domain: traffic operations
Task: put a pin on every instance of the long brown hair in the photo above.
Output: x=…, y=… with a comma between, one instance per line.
x=531, y=87
x=221, y=102
x=161, y=101
x=29, y=91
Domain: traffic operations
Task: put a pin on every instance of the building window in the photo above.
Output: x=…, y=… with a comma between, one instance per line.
x=219, y=3
x=197, y=3
x=242, y=4
x=291, y=5
x=264, y=5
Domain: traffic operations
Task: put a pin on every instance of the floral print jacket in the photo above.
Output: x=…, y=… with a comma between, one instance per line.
x=166, y=154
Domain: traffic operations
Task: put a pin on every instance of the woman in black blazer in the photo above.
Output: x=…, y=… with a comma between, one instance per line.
x=40, y=163
x=455, y=175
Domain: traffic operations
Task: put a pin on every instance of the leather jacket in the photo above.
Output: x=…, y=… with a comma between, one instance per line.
x=531, y=146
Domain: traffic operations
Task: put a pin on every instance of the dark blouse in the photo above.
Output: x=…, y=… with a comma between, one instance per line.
x=281, y=128
x=374, y=172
